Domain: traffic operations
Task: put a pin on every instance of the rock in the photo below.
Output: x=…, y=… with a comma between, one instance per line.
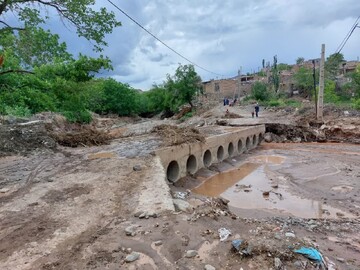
x=143, y=215
x=181, y=205
x=224, y=201
x=191, y=253
x=137, y=168
x=158, y=243
x=4, y=190
x=132, y=257
x=277, y=263
x=209, y=267
x=277, y=236
x=299, y=265
x=131, y=230
x=289, y=234
x=268, y=137
x=340, y=259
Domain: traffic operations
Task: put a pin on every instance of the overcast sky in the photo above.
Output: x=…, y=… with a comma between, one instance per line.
x=223, y=35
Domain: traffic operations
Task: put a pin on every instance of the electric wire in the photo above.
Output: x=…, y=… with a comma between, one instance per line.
x=163, y=43
x=351, y=31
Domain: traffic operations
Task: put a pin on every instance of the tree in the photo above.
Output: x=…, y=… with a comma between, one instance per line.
x=300, y=60
x=275, y=78
x=259, y=91
x=304, y=81
x=89, y=23
x=183, y=86
x=332, y=65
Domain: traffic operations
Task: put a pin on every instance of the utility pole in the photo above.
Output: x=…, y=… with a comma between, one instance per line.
x=320, y=102
x=239, y=83
x=314, y=78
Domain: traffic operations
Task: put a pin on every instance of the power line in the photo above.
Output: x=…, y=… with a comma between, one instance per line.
x=167, y=46
x=351, y=31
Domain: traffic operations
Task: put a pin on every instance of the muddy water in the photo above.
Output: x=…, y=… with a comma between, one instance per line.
x=248, y=187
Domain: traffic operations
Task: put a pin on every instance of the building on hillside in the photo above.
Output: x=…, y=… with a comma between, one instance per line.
x=348, y=67
x=230, y=88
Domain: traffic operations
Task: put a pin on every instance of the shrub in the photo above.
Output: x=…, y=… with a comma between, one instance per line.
x=19, y=111
x=356, y=104
x=260, y=92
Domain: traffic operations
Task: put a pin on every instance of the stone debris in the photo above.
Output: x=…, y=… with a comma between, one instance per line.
x=132, y=257
x=191, y=253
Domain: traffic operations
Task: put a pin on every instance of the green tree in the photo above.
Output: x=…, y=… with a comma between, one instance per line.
x=332, y=65
x=89, y=23
x=275, y=78
x=283, y=66
x=260, y=92
x=183, y=86
x=304, y=81
x=356, y=82
x=300, y=60
x=119, y=98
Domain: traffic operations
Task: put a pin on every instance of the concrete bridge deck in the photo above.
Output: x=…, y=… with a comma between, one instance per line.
x=220, y=143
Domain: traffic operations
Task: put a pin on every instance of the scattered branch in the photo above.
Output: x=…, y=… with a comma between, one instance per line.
x=15, y=71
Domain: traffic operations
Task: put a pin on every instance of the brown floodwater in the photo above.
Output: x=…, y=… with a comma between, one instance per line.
x=248, y=188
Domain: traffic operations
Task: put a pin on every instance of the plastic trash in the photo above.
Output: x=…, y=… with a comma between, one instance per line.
x=224, y=234
x=310, y=253
x=237, y=243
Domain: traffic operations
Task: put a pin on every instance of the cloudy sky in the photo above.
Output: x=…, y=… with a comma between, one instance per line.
x=222, y=36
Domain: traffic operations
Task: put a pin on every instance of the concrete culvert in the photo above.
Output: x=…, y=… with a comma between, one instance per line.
x=207, y=158
x=240, y=146
x=248, y=143
x=255, y=140
x=261, y=137
x=191, y=164
x=173, y=171
x=220, y=153
x=231, y=149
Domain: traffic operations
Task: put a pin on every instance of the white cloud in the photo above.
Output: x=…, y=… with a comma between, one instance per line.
x=224, y=35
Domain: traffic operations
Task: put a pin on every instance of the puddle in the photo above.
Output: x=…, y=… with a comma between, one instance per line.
x=248, y=188
x=219, y=183
x=102, y=155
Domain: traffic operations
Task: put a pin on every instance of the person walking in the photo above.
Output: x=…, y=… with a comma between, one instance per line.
x=257, y=109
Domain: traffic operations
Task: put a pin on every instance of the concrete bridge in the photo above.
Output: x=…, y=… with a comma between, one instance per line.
x=227, y=142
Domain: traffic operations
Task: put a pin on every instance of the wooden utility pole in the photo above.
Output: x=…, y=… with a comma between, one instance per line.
x=320, y=102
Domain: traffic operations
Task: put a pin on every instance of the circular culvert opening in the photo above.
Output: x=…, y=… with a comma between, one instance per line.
x=207, y=158
x=191, y=164
x=173, y=171
x=231, y=149
x=240, y=146
x=220, y=153
x=261, y=137
x=248, y=143
x=255, y=140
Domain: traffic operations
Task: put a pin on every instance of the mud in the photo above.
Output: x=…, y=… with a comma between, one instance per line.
x=69, y=208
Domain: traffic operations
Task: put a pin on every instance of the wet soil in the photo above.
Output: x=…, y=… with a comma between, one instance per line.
x=70, y=208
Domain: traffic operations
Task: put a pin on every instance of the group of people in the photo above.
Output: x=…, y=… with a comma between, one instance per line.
x=229, y=102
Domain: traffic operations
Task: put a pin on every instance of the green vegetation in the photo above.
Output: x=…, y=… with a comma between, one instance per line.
x=37, y=73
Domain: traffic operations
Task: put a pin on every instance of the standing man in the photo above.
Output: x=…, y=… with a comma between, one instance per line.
x=257, y=109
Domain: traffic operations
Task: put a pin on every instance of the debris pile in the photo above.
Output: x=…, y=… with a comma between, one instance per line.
x=173, y=135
